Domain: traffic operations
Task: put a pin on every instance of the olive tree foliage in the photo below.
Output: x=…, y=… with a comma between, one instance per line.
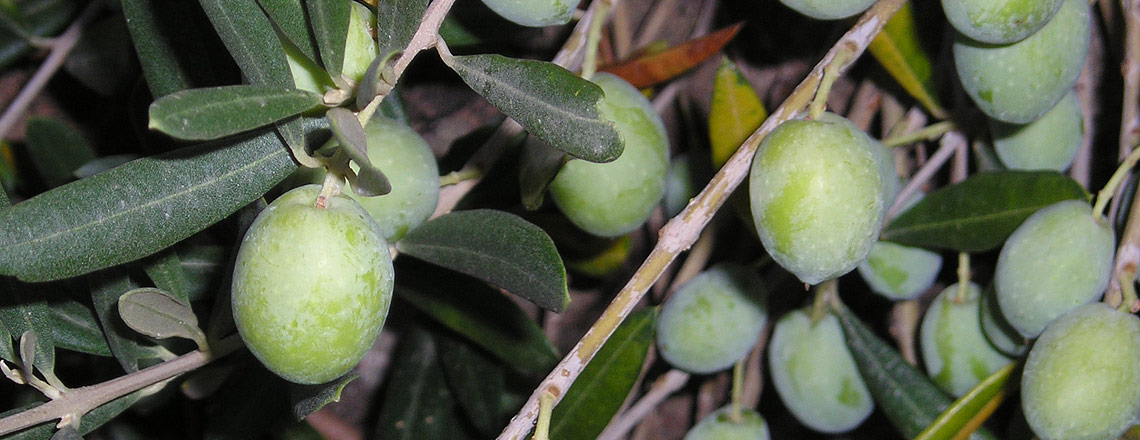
x=120, y=228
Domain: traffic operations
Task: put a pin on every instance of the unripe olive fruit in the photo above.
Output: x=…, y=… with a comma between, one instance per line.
x=359, y=51
x=899, y=272
x=815, y=375
x=828, y=9
x=999, y=21
x=311, y=286
x=712, y=320
x=1080, y=380
x=1048, y=143
x=818, y=196
x=1019, y=82
x=954, y=349
x=410, y=166
x=1058, y=259
x=613, y=198
x=534, y=12
x=997, y=329
x=720, y=426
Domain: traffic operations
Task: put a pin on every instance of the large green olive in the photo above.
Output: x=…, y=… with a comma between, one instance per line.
x=1048, y=143
x=359, y=51
x=311, y=286
x=999, y=21
x=955, y=351
x=1081, y=380
x=899, y=272
x=720, y=426
x=818, y=196
x=534, y=12
x=1058, y=259
x=828, y=9
x=614, y=198
x=1019, y=82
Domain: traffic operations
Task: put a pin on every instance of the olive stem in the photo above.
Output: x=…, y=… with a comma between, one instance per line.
x=545, y=408
x=737, y=389
x=964, y=276
x=661, y=389
x=1105, y=194
x=682, y=230
x=928, y=133
x=949, y=144
x=1127, y=254
x=823, y=297
x=831, y=73
x=1127, y=291
x=332, y=186
x=455, y=177
x=593, y=37
x=82, y=400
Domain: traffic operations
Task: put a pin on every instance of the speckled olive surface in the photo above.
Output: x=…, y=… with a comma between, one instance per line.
x=720, y=426
x=999, y=21
x=534, y=12
x=955, y=351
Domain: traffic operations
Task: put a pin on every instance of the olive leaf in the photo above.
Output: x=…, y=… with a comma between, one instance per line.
x=538, y=166
x=369, y=181
x=157, y=314
x=215, y=112
x=166, y=53
x=291, y=22
x=56, y=149
x=307, y=399
x=330, y=20
x=74, y=327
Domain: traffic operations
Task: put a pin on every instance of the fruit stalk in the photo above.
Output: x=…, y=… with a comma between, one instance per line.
x=682, y=231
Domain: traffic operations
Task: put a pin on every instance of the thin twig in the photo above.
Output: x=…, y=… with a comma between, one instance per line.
x=950, y=143
x=1130, y=68
x=682, y=231
x=663, y=12
x=661, y=389
x=61, y=47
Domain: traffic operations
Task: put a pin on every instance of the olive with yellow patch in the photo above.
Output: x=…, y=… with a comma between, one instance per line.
x=815, y=375
x=900, y=272
x=818, y=194
x=955, y=351
x=311, y=286
x=720, y=425
x=712, y=320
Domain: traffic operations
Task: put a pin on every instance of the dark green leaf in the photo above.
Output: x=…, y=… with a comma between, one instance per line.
x=974, y=404
x=106, y=288
x=909, y=399
x=417, y=404
x=44, y=18
x=101, y=164
x=455, y=34
x=289, y=16
x=23, y=309
x=165, y=270
x=249, y=404
x=67, y=433
x=249, y=36
x=202, y=268
x=103, y=58
x=215, y=112
x=74, y=327
x=6, y=351
x=604, y=384
x=13, y=20
x=369, y=181
x=164, y=51
x=56, y=150
x=155, y=313
x=508, y=252
x=307, y=399
x=476, y=380
x=551, y=102
x=396, y=22
x=136, y=209
x=330, y=29
x=104, y=413
x=979, y=213
x=479, y=313
x=538, y=166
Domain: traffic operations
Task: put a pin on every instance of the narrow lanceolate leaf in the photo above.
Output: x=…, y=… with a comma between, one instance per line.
x=106, y=288
x=476, y=379
x=603, y=386
x=44, y=18
x=56, y=150
x=736, y=111
x=329, y=20
x=899, y=51
x=970, y=410
x=656, y=68
x=307, y=399
x=508, y=252
x=538, y=165
x=549, y=101
x=22, y=313
x=249, y=36
x=418, y=404
x=369, y=181
x=980, y=212
x=215, y=112
x=74, y=327
x=136, y=209
x=396, y=22
x=909, y=399
x=289, y=17
x=172, y=57
x=479, y=313
x=159, y=315
x=165, y=270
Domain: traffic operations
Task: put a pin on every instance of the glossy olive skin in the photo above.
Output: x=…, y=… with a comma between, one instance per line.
x=1080, y=380
x=614, y=198
x=828, y=9
x=712, y=320
x=815, y=375
x=1048, y=143
x=1019, y=82
x=955, y=351
x=311, y=286
x=818, y=196
x=999, y=21
x=1058, y=259
x=534, y=13
x=408, y=162
x=720, y=426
